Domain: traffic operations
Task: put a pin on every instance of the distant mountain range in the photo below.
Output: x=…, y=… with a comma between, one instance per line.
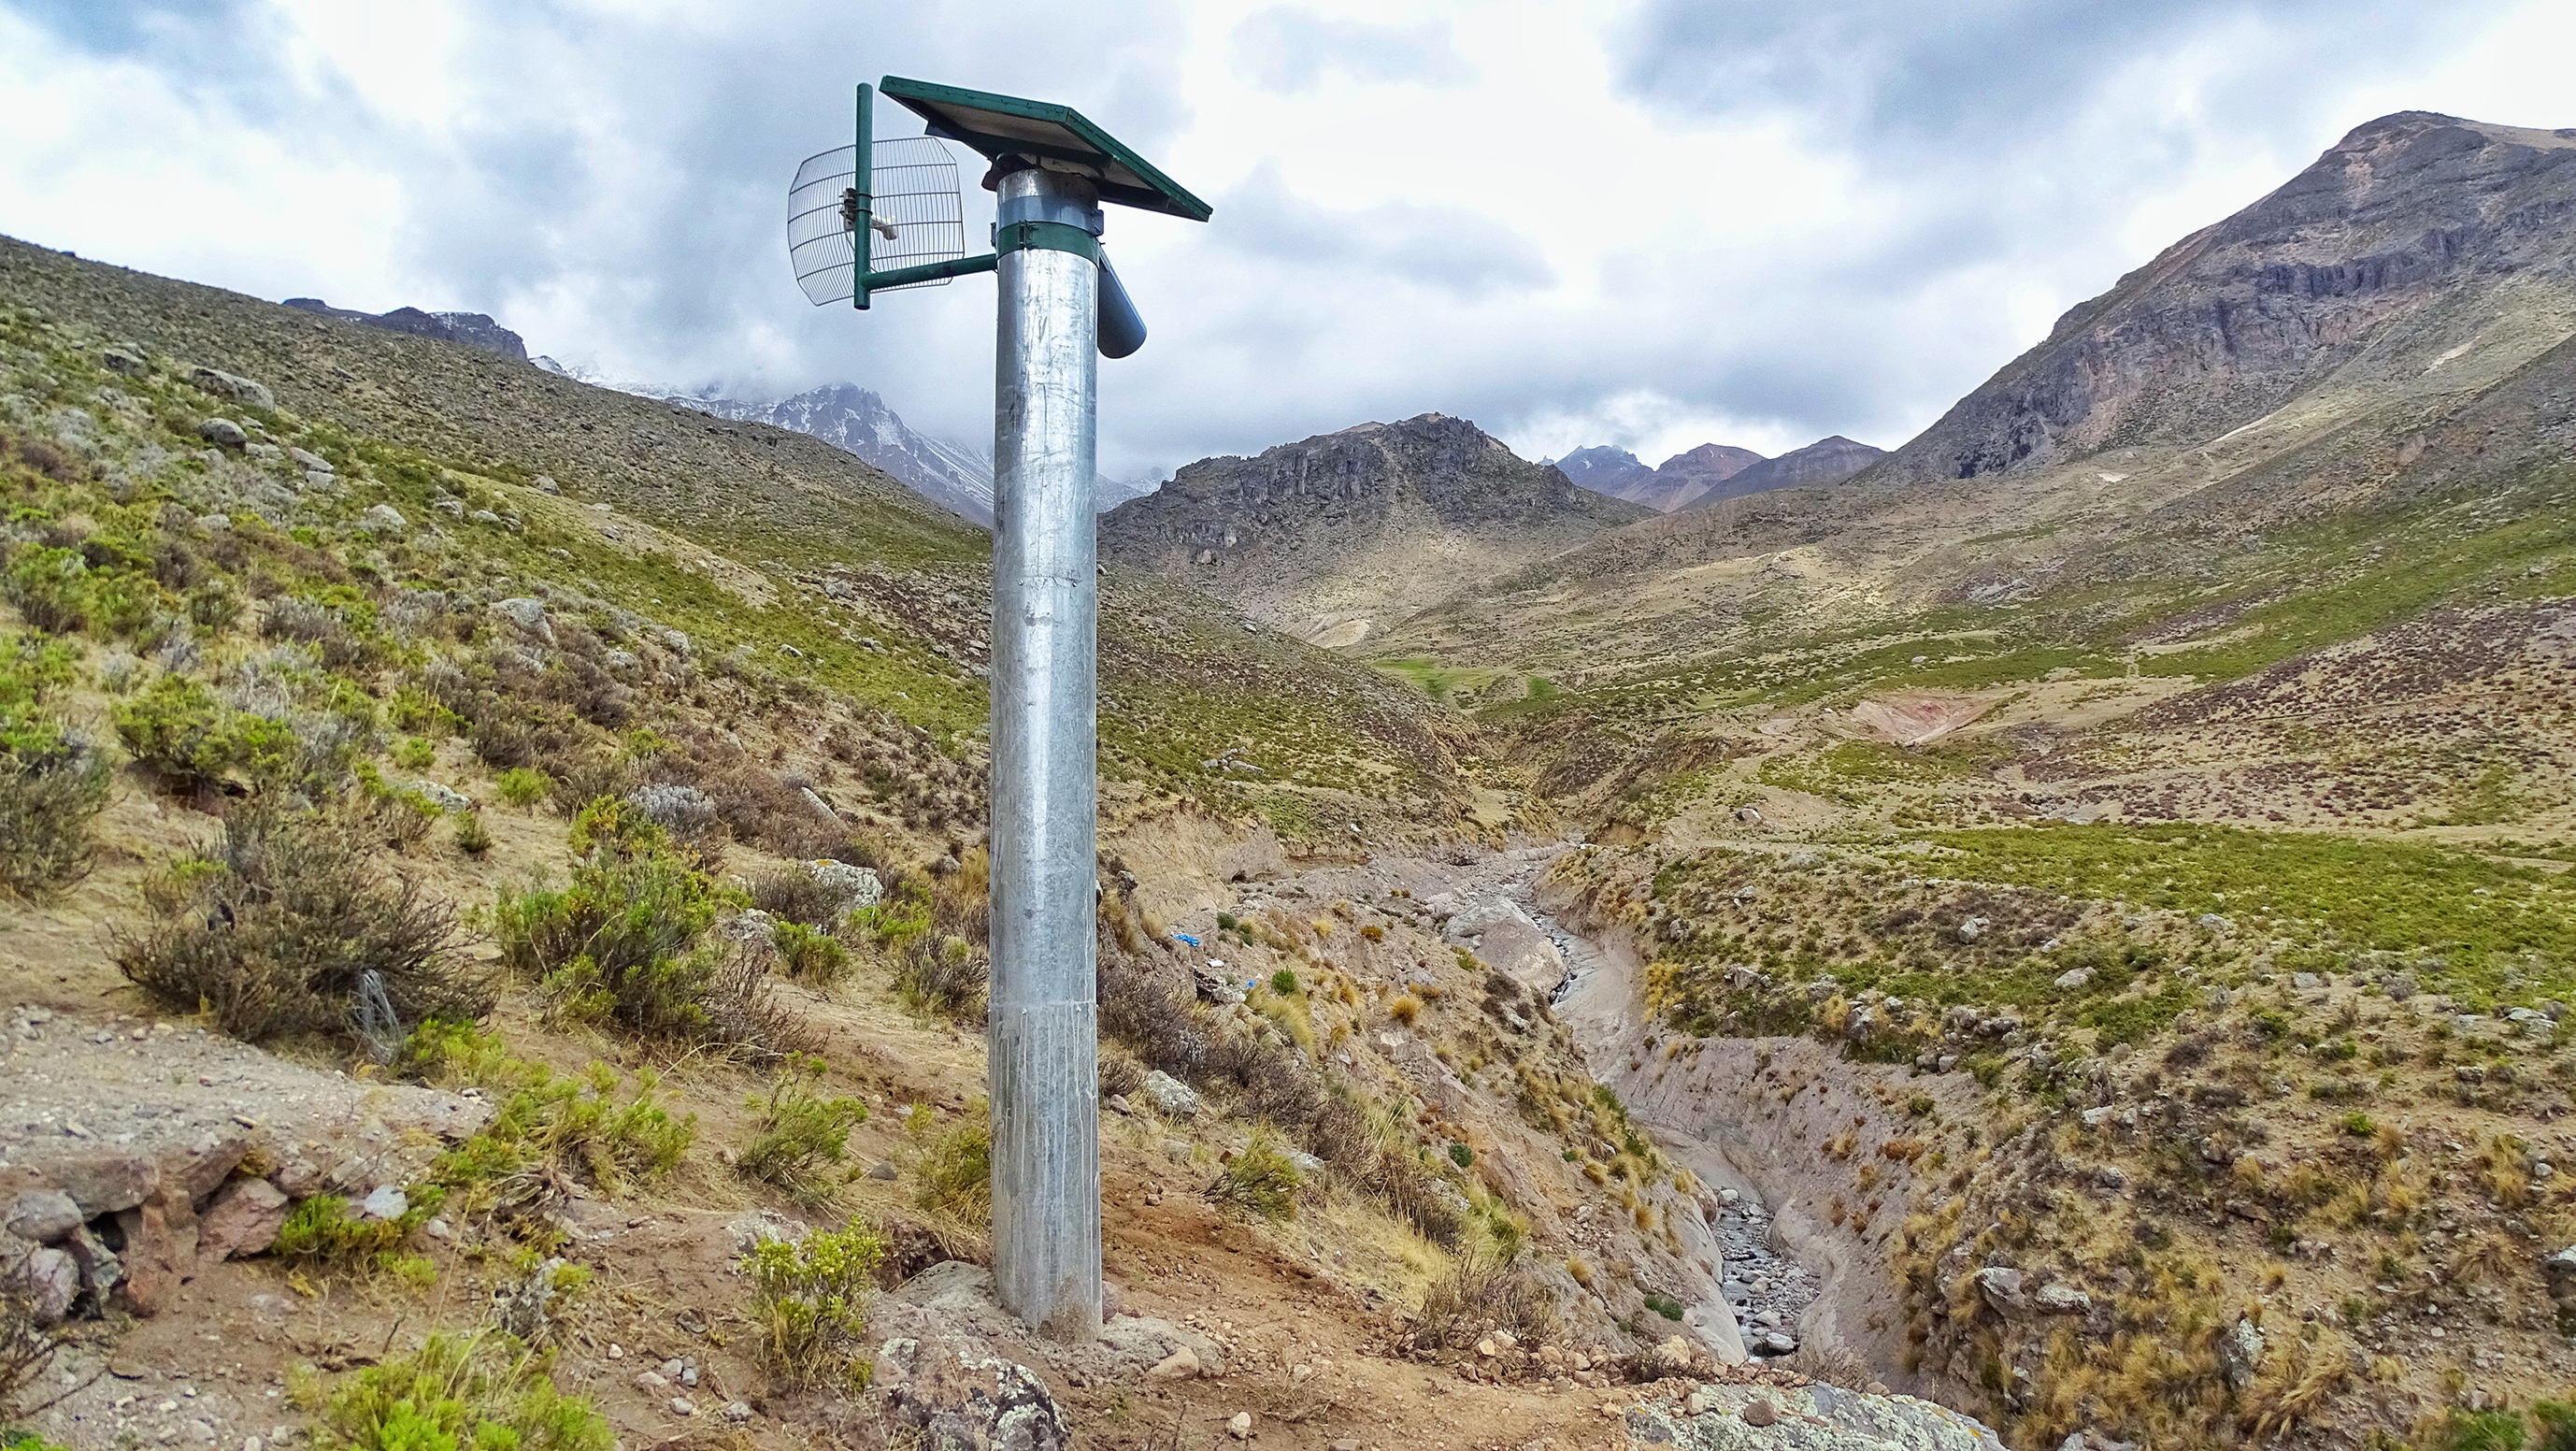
x=1828, y=460
x=1334, y=538
x=1712, y=471
x=953, y=476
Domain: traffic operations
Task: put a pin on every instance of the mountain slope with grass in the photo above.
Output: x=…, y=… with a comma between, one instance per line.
x=2373, y=540
x=2107, y=863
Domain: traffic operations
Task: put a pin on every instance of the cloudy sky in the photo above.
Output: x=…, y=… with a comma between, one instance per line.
x=1649, y=223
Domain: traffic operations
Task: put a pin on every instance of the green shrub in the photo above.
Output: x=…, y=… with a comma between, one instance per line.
x=622, y=943
x=2482, y=1431
x=213, y=606
x=523, y=785
x=956, y=1167
x=811, y=957
x=472, y=837
x=810, y=1302
x=322, y=1234
x=1260, y=1180
x=180, y=730
x=1461, y=1155
x=1283, y=982
x=2358, y=1125
x=459, y=1055
x=2557, y=1425
x=274, y=928
x=53, y=783
x=947, y=978
x=554, y=1124
x=803, y=1133
x=898, y=919
x=403, y=815
x=51, y=588
x=1225, y=922
x=415, y=753
x=455, y=1394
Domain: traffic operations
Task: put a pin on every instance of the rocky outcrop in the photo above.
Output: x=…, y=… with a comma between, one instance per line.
x=954, y=1369
x=1336, y=536
x=2387, y=260
x=469, y=329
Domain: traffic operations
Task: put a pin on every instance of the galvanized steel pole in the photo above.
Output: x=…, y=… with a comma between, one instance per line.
x=1044, y=1064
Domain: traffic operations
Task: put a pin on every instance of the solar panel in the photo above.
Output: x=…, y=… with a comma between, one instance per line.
x=997, y=126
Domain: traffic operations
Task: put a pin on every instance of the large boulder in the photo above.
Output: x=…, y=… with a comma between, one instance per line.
x=50, y=1280
x=41, y=1215
x=160, y=1248
x=1170, y=1097
x=2001, y=1288
x=938, y=1379
x=528, y=614
x=233, y=386
x=242, y=1221
x=1506, y=938
x=2061, y=1299
x=2240, y=1353
x=858, y=887
x=2560, y=1270
x=104, y=1181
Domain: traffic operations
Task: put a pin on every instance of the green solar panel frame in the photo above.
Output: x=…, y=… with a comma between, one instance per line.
x=1000, y=126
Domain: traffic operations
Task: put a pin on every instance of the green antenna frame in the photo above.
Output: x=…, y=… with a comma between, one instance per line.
x=997, y=126
x=864, y=277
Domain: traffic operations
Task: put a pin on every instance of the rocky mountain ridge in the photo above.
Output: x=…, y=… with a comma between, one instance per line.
x=952, y=475
x=1334, y=537
x=857, y=420
x=2418, y=243
x=469, y=329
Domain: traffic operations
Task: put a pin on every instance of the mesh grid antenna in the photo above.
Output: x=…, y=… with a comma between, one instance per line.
x=915, y=194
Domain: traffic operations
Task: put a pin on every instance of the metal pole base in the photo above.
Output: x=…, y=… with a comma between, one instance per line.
x=1046, y=1168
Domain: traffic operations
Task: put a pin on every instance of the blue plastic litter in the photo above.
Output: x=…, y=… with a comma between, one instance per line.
x=1185, y=937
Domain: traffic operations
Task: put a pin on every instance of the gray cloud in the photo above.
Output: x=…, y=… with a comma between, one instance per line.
x=621, y=181
x=2008, y=71
x=1464, y=253
x=1290, y=49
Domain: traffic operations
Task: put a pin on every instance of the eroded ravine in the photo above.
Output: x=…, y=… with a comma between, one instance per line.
x=1751, y=1285
x=1765, y=1289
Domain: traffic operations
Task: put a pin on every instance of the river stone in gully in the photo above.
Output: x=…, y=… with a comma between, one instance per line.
x=1506, y=937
